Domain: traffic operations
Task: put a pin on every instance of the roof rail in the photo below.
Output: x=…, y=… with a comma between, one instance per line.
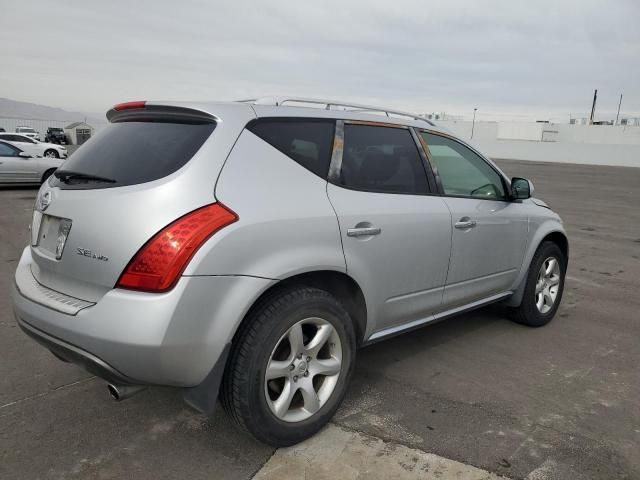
x=328, y=104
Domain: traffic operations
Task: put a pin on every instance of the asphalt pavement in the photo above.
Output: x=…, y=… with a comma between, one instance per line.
x=558, y=402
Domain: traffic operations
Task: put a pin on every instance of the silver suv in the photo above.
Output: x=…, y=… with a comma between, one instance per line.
x=249, y=248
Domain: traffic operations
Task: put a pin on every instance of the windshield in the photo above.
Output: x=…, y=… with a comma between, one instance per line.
x=26, y=130
x=130, y=153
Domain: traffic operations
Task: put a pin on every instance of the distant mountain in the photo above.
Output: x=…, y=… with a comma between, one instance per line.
x=32, y=111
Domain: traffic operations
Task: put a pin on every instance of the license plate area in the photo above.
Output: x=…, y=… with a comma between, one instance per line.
x=52, y=235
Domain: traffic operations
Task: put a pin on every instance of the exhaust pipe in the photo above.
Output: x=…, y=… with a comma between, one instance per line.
x=122, y=392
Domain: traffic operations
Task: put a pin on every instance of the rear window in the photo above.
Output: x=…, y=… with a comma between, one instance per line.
x=309, y=142
x=130, y=153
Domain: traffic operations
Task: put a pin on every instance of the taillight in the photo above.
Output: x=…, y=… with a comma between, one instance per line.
x=129, y=105
x=159, y=263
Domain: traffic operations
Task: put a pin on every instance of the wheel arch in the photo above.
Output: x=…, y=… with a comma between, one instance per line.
x=339, y=284
x=552, y=231
x=203, y=397
x=47, y=173
x=560, y=239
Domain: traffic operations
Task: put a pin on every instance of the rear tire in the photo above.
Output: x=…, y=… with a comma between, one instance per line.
x=268, y=389
x=47, y=174
x=544, y=287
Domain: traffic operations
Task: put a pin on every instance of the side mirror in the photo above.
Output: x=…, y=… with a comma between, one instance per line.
x=521, y=188
x=24, y=155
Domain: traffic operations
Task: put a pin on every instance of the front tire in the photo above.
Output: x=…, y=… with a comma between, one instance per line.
x=290, y=366
x=51, y=153
x=544, y=287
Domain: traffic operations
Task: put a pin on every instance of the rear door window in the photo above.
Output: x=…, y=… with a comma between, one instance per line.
x=381, y=159
x=129, y=153
x=307, y=141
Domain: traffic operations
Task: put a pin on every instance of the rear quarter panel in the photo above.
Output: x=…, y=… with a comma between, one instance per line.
x=286, y=224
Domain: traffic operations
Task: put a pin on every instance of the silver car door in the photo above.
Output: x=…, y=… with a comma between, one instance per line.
x=395, y=234
x=489, y=232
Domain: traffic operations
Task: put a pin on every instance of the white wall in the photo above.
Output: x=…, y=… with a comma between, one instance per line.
x=608, y=134
x=564, y=152
x=520, y=131
x=589, y=144
x=462, y=129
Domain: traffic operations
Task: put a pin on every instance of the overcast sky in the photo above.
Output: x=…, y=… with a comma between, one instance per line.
x=535, y=59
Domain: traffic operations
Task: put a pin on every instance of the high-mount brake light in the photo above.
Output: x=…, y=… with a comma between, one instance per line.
x=160, y=262
x=129, y=105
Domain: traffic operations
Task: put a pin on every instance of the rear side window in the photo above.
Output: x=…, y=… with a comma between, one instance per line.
x=309, y=142
x=130, y=153
x=8, y=150
x=381, y=159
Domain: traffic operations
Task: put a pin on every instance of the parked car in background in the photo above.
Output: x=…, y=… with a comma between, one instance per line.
x=2, y=129
x=56, y=135
x=29, y=132
x=252, y=247
x=34, y=147
x=19, y=168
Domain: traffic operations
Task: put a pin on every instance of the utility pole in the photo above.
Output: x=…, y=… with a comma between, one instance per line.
x=618, y=114
x=593, y=106
x=473, y=124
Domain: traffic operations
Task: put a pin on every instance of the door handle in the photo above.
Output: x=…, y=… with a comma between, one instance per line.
x=464, y=223
x=363, y=231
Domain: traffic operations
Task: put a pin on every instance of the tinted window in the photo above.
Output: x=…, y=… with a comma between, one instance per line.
x=462, y=172
x=137, y=152
x=7, y=151
x=381, y=159
x=308, y=142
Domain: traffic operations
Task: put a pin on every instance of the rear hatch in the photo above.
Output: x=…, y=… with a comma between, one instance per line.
x=151, y=165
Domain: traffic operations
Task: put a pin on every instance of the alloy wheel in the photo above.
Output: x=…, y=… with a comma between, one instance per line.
x=547, y=285
x=303, y=369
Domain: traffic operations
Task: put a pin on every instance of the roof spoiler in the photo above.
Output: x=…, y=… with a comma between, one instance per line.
x=143, y=112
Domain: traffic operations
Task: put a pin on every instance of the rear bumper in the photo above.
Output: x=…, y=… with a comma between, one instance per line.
x=76, y=355
x=174, y=338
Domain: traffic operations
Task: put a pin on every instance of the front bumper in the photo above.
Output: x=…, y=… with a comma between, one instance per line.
x=172, y=339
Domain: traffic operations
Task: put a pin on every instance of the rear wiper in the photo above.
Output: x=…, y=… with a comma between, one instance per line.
x=66, y=175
